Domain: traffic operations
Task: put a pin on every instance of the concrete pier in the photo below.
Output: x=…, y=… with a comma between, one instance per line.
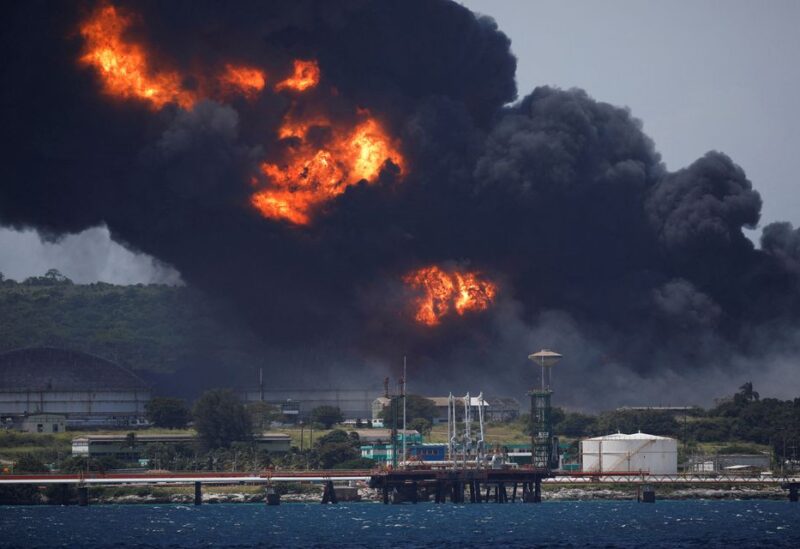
x=457, y=484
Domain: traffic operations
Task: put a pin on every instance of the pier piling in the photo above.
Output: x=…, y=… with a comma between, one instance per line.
x=329, y=493
x=83, y=496
x=272, y=497
x=198, y=493
x=646, y=494
x=794, y=491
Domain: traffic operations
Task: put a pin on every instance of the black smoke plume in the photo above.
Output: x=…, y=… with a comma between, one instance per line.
x=642, y=277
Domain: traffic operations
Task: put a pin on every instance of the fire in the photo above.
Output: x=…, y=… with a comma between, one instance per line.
x=299, y=128
x=248, y=81
x=312, y=174
x=442, y=292
x=124, y=66
x=316, y=167
x=306, y=75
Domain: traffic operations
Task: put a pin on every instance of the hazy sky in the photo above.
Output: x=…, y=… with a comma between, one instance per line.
x=701, y=75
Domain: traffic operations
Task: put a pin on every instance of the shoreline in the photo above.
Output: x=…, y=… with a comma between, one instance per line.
x=368, y=495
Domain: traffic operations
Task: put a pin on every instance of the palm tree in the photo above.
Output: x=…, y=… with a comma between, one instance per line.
x=747, y=392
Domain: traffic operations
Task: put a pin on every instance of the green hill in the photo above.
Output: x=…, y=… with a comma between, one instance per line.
x=145, y=327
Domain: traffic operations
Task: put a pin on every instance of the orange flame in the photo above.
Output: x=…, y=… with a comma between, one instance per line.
x=124, y=66
x=306, y=75
x=248, y=81
x=442, y=291
x=312, y=175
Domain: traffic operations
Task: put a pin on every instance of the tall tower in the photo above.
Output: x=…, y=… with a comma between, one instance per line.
x=544, y=451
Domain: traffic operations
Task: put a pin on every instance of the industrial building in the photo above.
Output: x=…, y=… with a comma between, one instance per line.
x=384, y=453
x=296, y=404
x=44, y=423
x=124, y=447
x=630, y=453
x=494, y=408
x=729, y=463
x=86, y=389
x=380, y=436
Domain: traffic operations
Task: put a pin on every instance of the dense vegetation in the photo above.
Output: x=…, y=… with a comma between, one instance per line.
x=170, y=413
x=420, y=412
x=221, y=419
x=744, y=418
x=146, y=327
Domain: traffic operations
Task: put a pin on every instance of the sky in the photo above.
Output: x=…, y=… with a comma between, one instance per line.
x=701, y=75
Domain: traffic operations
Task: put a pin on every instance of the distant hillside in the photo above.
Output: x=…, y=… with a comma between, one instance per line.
x=157, y=328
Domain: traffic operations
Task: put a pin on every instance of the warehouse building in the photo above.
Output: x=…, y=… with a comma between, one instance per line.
x=123, y=446
x=297, y=403
x=44, y=423
x=630, y=453
x=85, y=389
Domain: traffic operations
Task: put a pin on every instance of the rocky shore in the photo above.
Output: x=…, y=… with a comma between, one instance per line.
x=373, y=496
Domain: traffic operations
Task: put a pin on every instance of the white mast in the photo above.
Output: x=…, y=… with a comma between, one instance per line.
x=467, y=428
x=451, y=427
x=481, y=443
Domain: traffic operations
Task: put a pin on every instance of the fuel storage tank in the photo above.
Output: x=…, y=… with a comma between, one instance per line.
x=630, y=453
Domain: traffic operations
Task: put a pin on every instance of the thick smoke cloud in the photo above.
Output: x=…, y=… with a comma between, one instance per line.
x=635, y=273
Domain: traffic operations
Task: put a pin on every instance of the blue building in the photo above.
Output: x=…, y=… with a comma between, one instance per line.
x=416, y=451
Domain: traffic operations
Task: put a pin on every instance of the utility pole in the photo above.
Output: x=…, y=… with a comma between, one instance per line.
x=302, y=435
x=394, y=403
x=405, y=385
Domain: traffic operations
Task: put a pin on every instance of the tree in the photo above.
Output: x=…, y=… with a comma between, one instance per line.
x=221, y=419
x=28, y=463
x=417, y=407
x=421, y=425
x=130, y=442
x=747, y=393
x=327, y=415
x=576, y=425
x=170, y=413
x=332, y=454
x=55, y=276
x=357, y=463
x=263, y=414
x=23, y=493
x=335, y=436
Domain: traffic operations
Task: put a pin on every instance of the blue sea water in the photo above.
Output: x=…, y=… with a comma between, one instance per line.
x=694, y=523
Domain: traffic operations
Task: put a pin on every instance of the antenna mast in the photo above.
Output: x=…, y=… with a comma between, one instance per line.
x=405, y=385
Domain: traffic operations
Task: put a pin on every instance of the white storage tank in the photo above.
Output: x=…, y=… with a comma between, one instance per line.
x=630, y=453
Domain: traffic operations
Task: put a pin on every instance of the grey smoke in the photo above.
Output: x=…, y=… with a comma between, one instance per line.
x=85, y=257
